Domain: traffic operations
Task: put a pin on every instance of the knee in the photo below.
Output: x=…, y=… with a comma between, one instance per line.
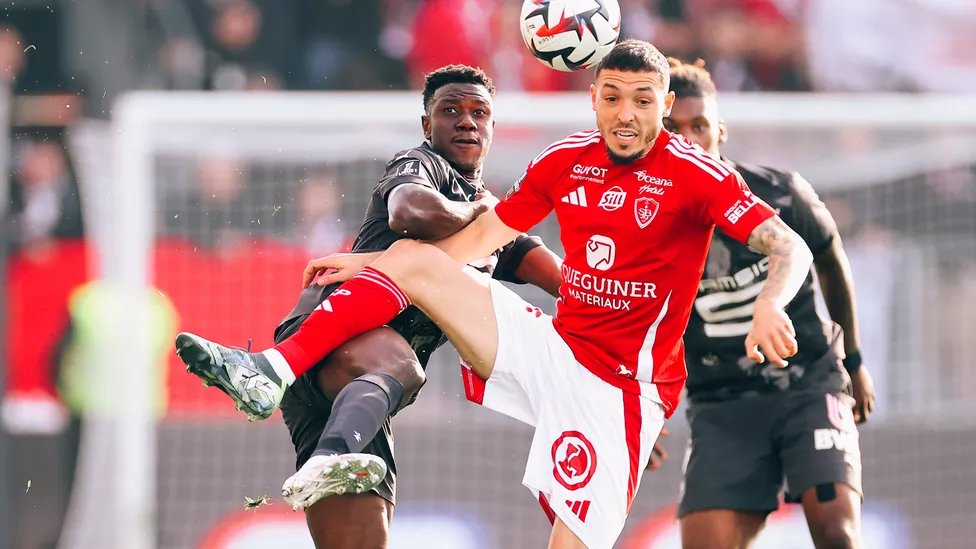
x=412, y=258
x=408, y=252
x=410, y=374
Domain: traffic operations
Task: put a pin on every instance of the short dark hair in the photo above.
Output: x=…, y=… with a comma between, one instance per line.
x=691, y=79
x=636, y=56
x=454, y=74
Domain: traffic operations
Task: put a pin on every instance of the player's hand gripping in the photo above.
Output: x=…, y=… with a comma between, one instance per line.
x=486, y=199
x=344, y=267
x=772, y=331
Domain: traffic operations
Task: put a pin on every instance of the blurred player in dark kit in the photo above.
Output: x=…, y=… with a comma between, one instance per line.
x=754, y=425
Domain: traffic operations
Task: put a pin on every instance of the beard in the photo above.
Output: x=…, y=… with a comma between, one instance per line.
x=623, y=160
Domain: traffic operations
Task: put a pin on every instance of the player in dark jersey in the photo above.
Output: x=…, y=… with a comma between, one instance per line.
x=341, y=409
x=752, y=424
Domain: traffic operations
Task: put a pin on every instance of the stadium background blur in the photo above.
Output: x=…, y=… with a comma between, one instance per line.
x=233, y=229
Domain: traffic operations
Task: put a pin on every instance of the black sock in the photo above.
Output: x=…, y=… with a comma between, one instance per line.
x=358, y=413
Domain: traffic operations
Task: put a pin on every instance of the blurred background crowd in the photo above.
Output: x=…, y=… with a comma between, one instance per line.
x=68, y=60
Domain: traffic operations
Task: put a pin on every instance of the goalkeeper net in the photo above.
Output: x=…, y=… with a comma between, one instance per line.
x=215, y=202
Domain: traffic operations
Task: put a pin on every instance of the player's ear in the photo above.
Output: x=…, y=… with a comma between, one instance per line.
x=668, y=103
x=593, y=95
x=425, y=123
x=723, y=132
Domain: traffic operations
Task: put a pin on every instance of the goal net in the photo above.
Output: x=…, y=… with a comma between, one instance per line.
x=215, y=202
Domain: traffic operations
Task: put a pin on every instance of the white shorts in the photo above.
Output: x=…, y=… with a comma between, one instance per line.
x=592, y=440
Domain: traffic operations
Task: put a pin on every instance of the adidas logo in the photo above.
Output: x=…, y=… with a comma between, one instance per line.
x=576, y=198
x=579, y=508
x=325, y=306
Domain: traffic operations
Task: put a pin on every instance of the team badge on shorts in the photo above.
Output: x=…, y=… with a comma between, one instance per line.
x=644, y=211
x=573, y=459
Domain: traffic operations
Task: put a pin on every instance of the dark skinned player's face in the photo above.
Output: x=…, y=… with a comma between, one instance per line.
x=696, y=118
x=460, y=125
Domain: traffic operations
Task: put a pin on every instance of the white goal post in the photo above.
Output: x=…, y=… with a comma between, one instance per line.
x=837, y=142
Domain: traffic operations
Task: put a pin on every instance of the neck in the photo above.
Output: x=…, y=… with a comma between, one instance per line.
x=473, y=176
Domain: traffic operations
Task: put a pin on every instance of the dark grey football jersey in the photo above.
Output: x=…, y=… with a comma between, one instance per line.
x=718, y=368
x=417, y=166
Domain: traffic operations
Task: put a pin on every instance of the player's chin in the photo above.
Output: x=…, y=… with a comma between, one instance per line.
x=466, y=156
x=623, y=155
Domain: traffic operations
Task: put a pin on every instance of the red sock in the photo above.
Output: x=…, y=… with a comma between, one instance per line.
x=368, y=300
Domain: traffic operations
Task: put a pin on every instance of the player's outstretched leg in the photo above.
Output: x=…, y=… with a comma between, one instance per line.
x=247, y=378
x=438, y=285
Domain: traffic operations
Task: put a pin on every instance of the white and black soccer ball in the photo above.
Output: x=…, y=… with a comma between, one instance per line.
x=568, y=35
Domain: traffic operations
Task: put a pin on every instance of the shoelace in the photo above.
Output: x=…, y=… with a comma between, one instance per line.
x=248, y=350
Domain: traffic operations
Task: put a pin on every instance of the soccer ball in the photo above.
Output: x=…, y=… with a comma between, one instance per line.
x=570, y=34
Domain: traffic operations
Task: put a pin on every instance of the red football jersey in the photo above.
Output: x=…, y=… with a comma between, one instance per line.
x=635, y=237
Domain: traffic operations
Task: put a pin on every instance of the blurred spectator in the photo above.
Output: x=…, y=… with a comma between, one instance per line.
x=751, y=44
x=45, y=202
x=663, y=22
x=11, y=54
x=217, y=216
x=320, y=229
x=354, y=44
x=449, y=31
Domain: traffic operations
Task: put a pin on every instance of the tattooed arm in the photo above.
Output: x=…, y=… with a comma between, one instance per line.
x=789, y=263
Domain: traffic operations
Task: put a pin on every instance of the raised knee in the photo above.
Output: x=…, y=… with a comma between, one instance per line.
x=409, y=251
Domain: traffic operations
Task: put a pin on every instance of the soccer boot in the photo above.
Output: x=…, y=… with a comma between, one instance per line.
x=247, y=378
x=331, y=475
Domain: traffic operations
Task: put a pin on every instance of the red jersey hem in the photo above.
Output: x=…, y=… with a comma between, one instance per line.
x=627, y=384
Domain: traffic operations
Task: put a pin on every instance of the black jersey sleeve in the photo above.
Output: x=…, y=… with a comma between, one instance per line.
x=511, y=257
x=409, y=168
x=810, y=217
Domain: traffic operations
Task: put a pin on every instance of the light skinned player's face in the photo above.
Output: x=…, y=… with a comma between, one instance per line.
x=629, y=107
x=696, y=118
x=460, y=125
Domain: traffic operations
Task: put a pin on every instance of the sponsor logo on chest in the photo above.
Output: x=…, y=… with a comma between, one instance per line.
x=594, y=174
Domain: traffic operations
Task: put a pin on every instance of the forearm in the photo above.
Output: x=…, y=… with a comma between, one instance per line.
x=541, y=268
x=479, y=239
x=837, y=285
x=424, y=215
x=789, y=261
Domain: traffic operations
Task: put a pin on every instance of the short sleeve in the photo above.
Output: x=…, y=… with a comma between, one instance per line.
x=529, y=201
x=406, y=170
x=511, y=256
x=809, y=216
x=735, y=209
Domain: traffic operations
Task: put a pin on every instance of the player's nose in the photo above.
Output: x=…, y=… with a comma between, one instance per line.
x=466, y=122
x=625, y=113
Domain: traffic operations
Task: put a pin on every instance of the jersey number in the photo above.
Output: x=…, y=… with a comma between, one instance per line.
x=729, y=314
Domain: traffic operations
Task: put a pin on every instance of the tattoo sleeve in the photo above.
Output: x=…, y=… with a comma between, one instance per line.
x=789, y=260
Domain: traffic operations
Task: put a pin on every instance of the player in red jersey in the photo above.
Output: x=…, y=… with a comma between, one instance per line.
x=637, y=207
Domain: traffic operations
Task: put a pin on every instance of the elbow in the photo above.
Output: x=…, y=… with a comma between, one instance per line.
x=403, y=223
x=411, y=223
